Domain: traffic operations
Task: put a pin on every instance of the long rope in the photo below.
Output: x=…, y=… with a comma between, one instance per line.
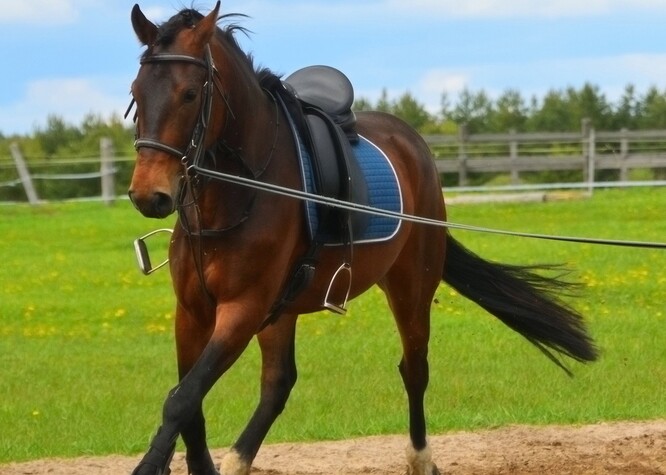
x=341, y=204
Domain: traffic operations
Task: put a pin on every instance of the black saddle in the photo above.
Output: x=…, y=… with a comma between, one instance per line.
x=322, y=111
x=327, y=89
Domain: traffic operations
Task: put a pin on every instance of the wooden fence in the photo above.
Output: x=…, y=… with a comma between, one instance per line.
x=514, y=153
x=26, y=177
x=587, y=151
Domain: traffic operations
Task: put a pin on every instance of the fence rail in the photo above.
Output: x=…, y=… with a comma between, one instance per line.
x=26, y=177
x=462, y=155
x=514, y=153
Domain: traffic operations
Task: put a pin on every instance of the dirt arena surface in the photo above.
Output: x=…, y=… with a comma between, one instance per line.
x=631, y=448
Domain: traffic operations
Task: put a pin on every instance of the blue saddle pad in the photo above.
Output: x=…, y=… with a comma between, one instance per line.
x=383, y=190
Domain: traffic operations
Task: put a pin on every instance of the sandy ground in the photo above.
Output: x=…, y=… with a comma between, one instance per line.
x=631, y=448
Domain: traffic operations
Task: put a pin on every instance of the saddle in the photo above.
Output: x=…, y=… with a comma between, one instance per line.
x=322, y=112
x=328, y=89
x=318, y=101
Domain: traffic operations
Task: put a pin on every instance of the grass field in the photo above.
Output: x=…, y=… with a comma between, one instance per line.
x=87, y=355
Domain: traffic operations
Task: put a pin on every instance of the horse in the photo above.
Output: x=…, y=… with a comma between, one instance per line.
x=234, y=248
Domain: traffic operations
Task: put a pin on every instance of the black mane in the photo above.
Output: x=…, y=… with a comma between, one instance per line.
x=188, y=18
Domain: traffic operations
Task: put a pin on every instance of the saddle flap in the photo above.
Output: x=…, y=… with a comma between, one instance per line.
x=326, y=88
x=337, y=174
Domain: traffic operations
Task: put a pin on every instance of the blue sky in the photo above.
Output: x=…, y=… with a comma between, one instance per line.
x=73, y=57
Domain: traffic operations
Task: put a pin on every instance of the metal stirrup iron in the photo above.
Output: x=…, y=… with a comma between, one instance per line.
x=340, y=308
x=142, y=254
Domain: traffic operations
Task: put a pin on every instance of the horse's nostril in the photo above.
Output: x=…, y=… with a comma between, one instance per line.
x=162, y=205
x=155, y=205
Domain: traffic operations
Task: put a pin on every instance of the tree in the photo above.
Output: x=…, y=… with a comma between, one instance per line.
x=473, y=111
x=411, y=111
x=362, y=104
x=653, y=113
x=628, y=110
x=589, y=103
x=57, y=136
x=95, y=127
x=383, y=104
x=510, y=112
x=405, y=107
x=552, y=116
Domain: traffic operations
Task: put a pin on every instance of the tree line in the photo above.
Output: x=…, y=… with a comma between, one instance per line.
x=559, y=110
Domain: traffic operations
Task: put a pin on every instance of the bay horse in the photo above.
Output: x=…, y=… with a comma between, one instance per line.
x=233, y=248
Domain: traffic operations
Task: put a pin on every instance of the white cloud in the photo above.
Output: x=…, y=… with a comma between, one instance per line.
x=71, y=99
x=435, y=82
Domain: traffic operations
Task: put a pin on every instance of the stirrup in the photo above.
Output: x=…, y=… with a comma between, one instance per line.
x=142, y=255
x=334, y=307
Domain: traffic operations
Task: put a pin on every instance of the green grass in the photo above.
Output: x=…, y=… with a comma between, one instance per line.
x=87, y=354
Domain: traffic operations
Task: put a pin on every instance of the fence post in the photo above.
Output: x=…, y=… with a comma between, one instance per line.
x=107, y=171
x=513, y=157
x=462, y=155
x=24, y=174
x=587, y=139
x=624, y=155
x=592, y=152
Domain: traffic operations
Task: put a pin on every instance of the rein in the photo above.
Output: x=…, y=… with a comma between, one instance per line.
x=346, y=205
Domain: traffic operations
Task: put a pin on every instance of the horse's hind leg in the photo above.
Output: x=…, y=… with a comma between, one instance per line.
x=278, y=376
x=410, y=301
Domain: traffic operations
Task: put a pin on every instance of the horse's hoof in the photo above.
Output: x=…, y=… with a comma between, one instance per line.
x=210, y=471
x=419, y=462
x=233, y=464
x=430, y=469
x=202, y=465
x=149, y=469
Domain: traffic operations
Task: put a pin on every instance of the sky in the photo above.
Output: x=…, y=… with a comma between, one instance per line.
x=75, y=57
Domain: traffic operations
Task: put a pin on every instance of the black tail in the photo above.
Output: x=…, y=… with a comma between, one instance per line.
x=523, y=300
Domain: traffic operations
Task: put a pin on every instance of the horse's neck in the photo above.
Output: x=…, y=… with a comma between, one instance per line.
x=251, y=124
x=247, y=148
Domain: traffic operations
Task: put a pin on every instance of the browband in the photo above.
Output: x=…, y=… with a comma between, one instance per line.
x=156, y=58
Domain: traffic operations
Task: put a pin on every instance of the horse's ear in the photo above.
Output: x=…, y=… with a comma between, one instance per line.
x=145, y=30
x=205, y=28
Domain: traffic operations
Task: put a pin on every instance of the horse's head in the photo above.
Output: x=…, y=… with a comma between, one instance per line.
x=173, y=93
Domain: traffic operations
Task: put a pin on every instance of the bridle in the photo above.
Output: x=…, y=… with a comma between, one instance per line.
x=192, y=158
x=195, y=151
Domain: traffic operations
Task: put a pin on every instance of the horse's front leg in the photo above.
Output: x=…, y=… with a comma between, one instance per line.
x=278, y=376
x=191, y=339
x=182, y=409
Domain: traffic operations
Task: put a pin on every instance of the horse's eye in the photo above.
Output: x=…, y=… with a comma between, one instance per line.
x=190, y=95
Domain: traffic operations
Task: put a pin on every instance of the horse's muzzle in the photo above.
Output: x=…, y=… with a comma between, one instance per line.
x=156, y=205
